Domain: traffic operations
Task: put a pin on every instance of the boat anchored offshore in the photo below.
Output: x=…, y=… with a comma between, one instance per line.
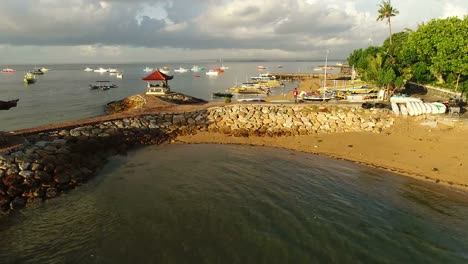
x=8, y=70
x=197, y=68
x=29, y=78
x=147, y=69
x=181, y=70
x=87, y=69
x=212, y=73
x=103, y=85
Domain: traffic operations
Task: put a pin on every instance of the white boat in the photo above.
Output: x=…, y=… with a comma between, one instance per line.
x=212, y=73
x=181, y=70
x=112, y=70
x=147, y=69
x=119, y=75
x=44, y=69
x=167, y=72
x=197, y=68
x=100, y=70
x=224, y=67
x=87, y=69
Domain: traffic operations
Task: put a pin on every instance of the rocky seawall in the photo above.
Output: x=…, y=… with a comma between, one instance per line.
x=51, y=162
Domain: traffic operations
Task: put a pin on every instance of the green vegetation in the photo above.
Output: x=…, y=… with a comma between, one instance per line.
x=436, y=53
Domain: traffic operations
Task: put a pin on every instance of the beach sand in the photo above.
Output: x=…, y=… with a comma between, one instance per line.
x=408, y=148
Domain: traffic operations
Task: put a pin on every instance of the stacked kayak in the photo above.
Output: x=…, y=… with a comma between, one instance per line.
x=414, y=106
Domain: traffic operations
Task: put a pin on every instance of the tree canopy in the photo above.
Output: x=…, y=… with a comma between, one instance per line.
x=436, y=51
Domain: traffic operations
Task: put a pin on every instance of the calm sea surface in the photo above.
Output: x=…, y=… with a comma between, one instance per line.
x=241, y=204
x=63, y=94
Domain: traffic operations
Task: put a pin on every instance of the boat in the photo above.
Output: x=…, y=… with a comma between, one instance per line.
x=103, y=85
x=181, y=70
x=197, y=68
x=167, y=72
x=260, y=67
x=37, y=72
x=250, y=88
x=29, y=78
x=87, y=69
x=112, y=70
x=224, y=67
x=223, y=95
x=147, y=69
x=265, y=79
x=166, y=68
x=44, y=69
x=100, y=70
x=119, y=75
x=219, y=70
x=315, y=96
x=8, y=70
x=212, y=73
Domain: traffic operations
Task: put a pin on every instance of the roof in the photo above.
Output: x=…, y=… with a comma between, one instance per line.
x=158, y=76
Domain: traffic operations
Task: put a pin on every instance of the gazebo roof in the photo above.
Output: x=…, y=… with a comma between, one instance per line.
x=158, y=76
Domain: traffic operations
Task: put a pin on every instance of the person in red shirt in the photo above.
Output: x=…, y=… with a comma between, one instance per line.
x=295, y=93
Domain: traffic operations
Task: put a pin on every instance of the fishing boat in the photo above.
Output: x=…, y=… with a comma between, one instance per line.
x=147, y=69
x=181, y=70
x=100, y=70
x=265, y=79
x=29, y=78
x=37, y=72
x=8, y=70
x=260, y=67
x=212, y=73
x=315, y=96
x=87, y=69
x=103, y=85
x=250, y=88
x=197, y=68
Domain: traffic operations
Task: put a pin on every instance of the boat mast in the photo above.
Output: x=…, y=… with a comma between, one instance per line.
x=325, y=74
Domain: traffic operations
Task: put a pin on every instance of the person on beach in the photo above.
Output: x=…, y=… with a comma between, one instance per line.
x=295, y=93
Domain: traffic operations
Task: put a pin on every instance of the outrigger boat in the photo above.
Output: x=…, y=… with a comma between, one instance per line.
x=250, y=88
x=103, y=85
x=29, y=78
x=266, y=80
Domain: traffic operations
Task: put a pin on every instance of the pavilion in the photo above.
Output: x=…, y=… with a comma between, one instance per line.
x=161, y=85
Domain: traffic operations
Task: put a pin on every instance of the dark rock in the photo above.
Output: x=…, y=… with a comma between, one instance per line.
x=51, y=193
x=62, y=178
x=14, y=191
x=43, y=176
x=18, y=203
x=36, y=166
x=12, y=179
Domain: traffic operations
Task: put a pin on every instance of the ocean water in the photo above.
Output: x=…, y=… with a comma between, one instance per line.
x=241, y=204
x=63, y=94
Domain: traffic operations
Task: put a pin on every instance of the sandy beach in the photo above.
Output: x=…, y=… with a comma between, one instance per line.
x=408, y=148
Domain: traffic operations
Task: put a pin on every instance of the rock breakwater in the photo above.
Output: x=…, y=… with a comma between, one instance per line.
x=50, y=162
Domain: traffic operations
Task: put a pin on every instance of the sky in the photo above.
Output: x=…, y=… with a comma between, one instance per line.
x=126, y=31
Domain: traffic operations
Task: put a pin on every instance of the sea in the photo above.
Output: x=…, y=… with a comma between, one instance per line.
x=240, y=204
x=63, y=93
x=209, y=203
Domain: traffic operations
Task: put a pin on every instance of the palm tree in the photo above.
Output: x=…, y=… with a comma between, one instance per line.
x=386, y=11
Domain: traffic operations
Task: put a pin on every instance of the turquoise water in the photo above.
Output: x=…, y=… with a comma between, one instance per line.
x=63, y=94
x=241, y=204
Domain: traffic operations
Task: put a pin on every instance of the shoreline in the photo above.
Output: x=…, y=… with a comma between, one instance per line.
x=423, y=166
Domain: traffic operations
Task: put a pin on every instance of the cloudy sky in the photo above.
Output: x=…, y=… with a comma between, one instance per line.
x=86, y=31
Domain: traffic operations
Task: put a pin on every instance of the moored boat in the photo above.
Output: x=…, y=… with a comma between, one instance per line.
x=37, y=72
x=29, y=78
x=197, y=68
x=250, y=88
x=43, y=69
x=87, y=69
x=119, y=75
x=261, y=67
x=100, y=70
x=181, y=70
x=147, y=69
x=212, y=73
x=8, y=70
x=103, y=85
x=266, y=80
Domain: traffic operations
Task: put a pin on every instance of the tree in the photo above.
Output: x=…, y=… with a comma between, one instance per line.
x=386, y=11
x=442, y=44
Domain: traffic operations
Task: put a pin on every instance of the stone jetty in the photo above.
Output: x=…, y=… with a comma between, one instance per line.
x=53, y=161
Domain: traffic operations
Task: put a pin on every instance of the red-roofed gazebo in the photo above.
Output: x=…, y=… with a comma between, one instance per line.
x=157, y=76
